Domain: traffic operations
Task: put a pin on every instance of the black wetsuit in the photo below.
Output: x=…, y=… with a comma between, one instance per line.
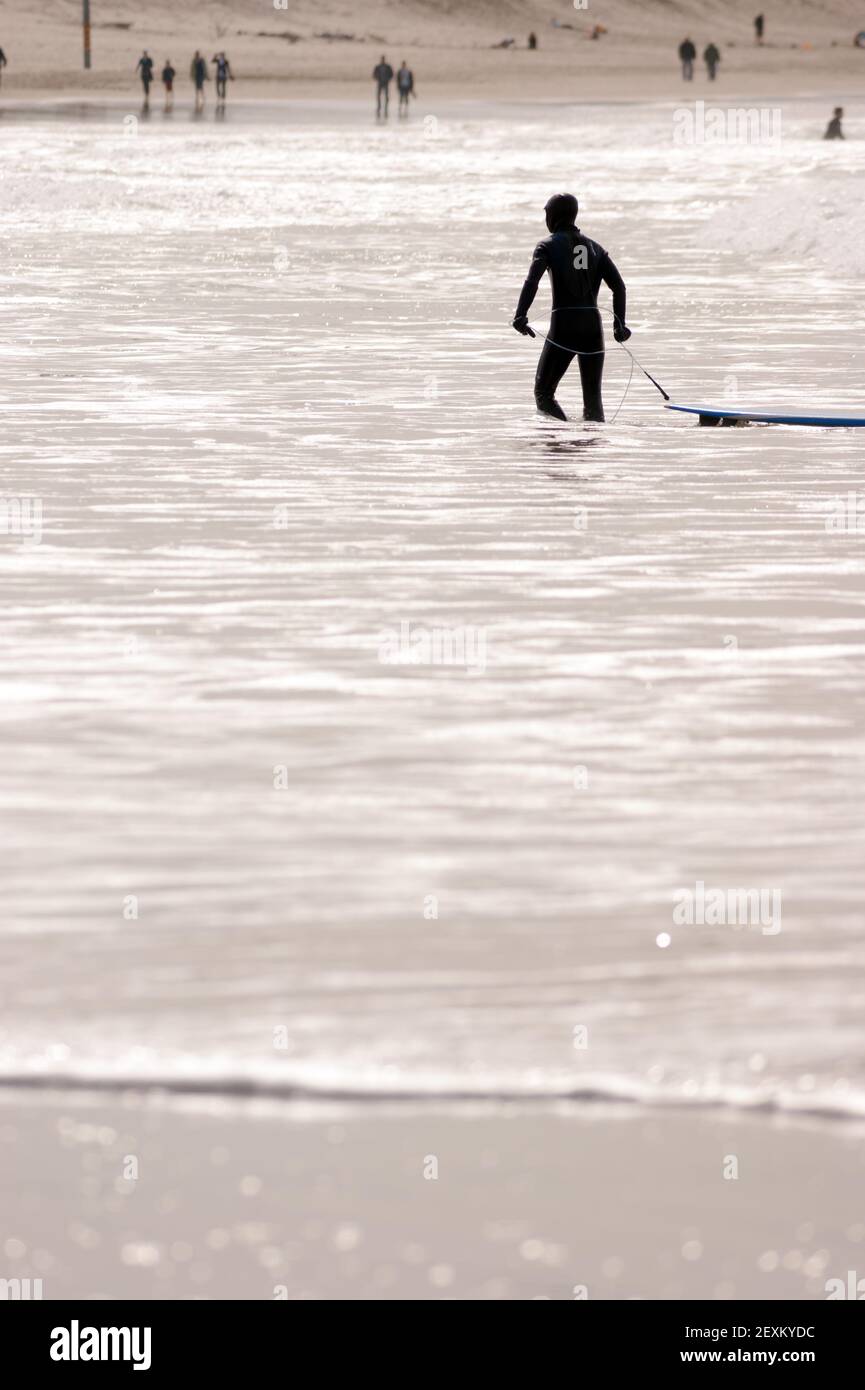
x=833, y=129
x=577, y=267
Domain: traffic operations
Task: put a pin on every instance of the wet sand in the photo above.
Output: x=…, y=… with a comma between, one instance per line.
x=323, y=1202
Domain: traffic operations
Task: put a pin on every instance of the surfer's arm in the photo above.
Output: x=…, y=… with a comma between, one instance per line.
x=610, y=275
x=532, y=280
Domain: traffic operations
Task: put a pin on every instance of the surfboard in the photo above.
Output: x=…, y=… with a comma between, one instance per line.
x=849, y=416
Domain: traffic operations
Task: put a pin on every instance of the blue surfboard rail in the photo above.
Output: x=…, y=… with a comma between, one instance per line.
x=850, y=417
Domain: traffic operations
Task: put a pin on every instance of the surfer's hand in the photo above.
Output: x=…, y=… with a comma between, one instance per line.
x=522, y=326
x=621, y=333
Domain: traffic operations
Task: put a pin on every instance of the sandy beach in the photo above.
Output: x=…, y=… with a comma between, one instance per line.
x=808, y=49
x=126, y=1199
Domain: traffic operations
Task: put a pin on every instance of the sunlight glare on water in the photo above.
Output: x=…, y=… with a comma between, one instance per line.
x=262, y=384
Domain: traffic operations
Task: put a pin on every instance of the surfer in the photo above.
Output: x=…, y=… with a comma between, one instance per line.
x=833, y=129
x=198, y=73
x=687, y=54
x=168, y=76
x=711, y=57
x=577, y=267
x=382, y=75
x=145, y=67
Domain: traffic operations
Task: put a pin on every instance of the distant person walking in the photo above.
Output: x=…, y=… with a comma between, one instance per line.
x=168, y=76
x=759, y=26
x=2, y=62
x=145, y=68
x=833, y=129
x=223, y=74
x=199, y=74
x=533, y=40
x=711, y=58
x=405, y=86
x=687, y=54
x=382, y=76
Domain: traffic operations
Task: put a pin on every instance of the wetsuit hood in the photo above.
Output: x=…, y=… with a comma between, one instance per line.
x=561, y=211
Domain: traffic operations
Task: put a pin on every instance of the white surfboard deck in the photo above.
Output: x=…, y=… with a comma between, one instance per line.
x=850, y=416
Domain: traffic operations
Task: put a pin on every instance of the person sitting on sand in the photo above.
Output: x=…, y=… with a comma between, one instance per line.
x=833, y=129
x=145, y=67
x=405, y=86
x=687, y=54
x=223, y=74
x=576, y=268
x=168, y=76
x=198, y=73
x=711, y=57
x=382, y=75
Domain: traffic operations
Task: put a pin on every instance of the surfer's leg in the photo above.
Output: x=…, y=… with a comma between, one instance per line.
x=552, y=365
x=591, y=374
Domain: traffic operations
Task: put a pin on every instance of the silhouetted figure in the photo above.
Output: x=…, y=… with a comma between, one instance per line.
x=404, y=86
x=833, y=129
x=145, y=68
x=711, y=57
x=759, y=25
x=224, y=74
x=687, y=54
x=2, y=62
x=382, y=75
x=199, y=74
x=533, y=40
x=576, y=267
x=168, y=76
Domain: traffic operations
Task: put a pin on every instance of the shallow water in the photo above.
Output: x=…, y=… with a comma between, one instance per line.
x=260, y=379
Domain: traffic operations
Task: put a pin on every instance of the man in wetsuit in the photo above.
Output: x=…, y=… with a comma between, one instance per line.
x=382, y=76
x=145, y=67
x=711, y=57
x=223, y=74
x=833, y=129
x=687, y=54
x=577, y=267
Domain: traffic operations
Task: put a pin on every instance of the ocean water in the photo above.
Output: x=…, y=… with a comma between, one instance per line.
x=360, y=729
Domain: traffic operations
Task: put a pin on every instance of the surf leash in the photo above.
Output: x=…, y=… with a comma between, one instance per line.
x=533, y=333
x=575, y=352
